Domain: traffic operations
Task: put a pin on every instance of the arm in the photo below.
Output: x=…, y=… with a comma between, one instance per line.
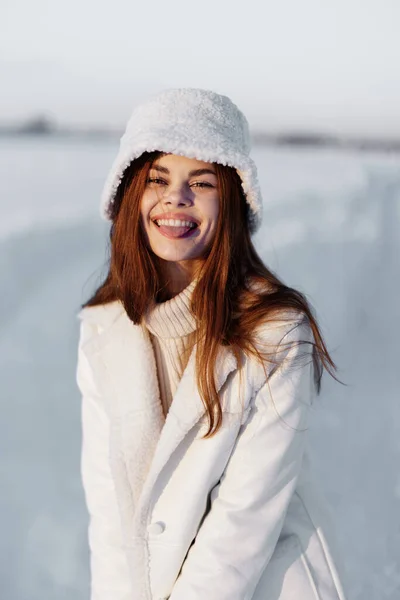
x=108, y=563
x=248, y=506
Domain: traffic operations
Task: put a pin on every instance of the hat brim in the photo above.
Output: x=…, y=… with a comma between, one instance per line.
x=244, y=166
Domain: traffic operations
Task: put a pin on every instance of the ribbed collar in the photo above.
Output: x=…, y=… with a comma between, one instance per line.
x=172, y=318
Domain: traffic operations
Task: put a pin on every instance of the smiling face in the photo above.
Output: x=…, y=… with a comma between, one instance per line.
x=184, y=190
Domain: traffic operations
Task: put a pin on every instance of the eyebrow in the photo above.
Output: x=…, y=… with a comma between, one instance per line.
x=194, y=173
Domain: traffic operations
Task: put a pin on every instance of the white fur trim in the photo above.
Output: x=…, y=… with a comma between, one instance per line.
x=189, y=122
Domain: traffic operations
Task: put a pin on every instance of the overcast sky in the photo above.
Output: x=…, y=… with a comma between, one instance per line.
x=328, y=65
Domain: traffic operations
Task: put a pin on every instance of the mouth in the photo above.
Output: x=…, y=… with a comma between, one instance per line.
x=176, y=231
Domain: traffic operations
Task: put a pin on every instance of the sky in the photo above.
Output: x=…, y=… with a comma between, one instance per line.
x=289, y=65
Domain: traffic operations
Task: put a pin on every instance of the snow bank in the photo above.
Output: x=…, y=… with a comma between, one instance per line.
x=331, y=228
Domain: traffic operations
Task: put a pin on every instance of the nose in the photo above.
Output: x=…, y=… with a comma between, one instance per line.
x=177, y=196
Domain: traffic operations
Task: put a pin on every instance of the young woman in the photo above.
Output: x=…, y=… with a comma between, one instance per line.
x=197, y=368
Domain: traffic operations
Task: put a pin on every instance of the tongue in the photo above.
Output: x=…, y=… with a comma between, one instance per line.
x=174, y=231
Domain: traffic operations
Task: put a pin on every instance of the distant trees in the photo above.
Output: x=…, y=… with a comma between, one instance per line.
x=38, y=125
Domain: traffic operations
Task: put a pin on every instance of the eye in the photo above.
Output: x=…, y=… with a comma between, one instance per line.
x=202, y=184
x=156, y=180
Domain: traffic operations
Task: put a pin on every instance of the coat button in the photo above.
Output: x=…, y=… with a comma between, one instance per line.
x=156, y=528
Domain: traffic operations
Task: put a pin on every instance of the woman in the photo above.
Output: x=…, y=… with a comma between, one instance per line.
x=198, y=368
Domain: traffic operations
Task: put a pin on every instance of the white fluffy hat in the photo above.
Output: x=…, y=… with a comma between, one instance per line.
x=190, y=122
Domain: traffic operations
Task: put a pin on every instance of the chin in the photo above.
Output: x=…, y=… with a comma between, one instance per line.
x=175, y=256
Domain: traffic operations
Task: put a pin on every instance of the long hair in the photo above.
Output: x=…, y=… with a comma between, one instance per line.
x=235, y=292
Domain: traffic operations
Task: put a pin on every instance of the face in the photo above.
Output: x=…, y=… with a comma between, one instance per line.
x=179, y=208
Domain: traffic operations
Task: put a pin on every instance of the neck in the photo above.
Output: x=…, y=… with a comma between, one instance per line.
x=176, y=276
x=172, y=318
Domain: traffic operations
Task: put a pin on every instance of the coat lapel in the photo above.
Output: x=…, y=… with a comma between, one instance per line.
x=185, y=411
x=141, y=440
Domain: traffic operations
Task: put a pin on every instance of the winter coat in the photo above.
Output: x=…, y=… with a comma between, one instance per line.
x=233, y=517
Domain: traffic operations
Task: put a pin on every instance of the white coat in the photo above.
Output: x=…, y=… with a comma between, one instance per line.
x=234, y=517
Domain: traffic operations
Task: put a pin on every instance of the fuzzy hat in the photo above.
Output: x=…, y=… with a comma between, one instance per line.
x=190, y=122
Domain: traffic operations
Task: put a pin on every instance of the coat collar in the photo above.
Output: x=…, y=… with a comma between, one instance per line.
x=127, y=354
x=124, y=368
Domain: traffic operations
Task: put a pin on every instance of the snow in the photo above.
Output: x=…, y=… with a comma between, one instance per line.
x=331, y=229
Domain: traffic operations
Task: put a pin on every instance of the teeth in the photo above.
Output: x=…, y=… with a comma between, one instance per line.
x=175, y=223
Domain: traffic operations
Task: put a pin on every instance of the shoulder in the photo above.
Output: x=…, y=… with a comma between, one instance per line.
x=102, y=314
x=281, y=340
x=96, y=319
x=288, y=322
x=288, y=325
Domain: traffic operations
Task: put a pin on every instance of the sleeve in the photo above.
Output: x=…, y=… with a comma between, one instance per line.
x=108, y=563
x=248, y=506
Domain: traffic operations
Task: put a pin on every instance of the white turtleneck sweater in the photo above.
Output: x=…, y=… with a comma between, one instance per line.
x=172, y=331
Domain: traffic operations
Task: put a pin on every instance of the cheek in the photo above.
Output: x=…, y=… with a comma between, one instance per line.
x=145, y=207
x=214, y=208
x=208, y=205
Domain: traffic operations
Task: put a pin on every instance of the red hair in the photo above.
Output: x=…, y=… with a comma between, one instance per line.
x=228, y=307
